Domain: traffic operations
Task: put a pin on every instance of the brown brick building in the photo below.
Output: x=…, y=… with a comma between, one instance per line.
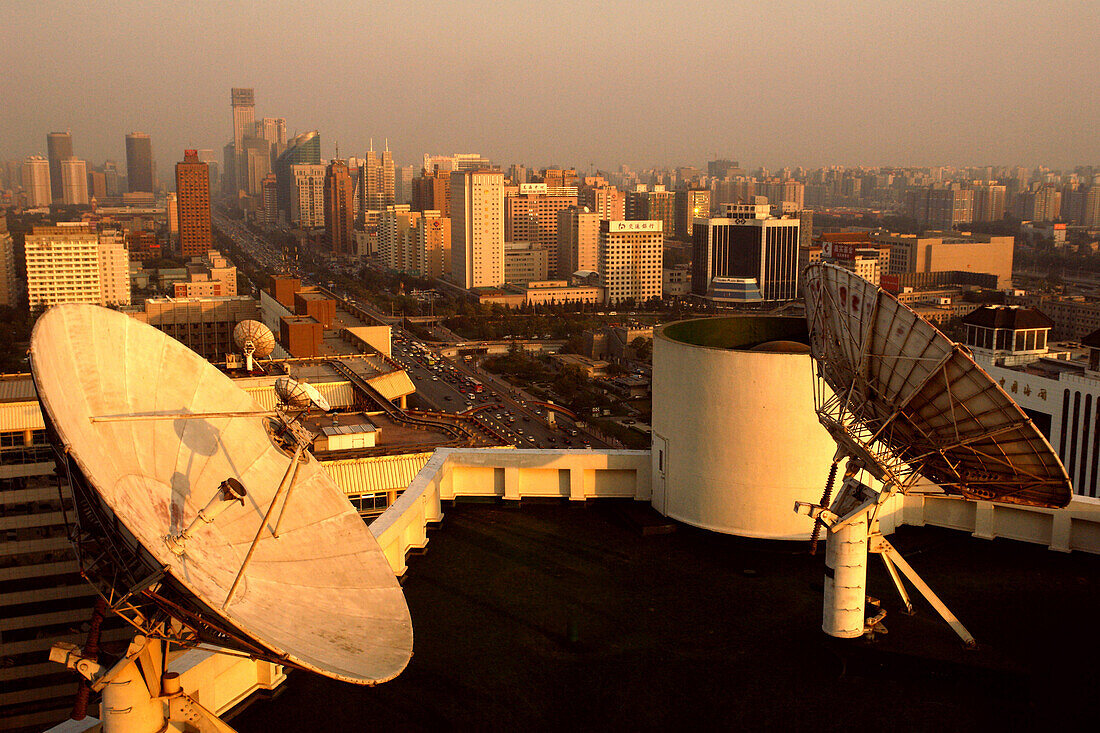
x=193, y=205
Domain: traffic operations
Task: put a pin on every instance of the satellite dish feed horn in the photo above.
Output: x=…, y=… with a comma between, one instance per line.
x=905, y=404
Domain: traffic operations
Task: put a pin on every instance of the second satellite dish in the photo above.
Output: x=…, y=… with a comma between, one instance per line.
x=299, y=395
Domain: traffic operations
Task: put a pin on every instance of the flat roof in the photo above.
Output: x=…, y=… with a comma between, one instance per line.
x=700, y=630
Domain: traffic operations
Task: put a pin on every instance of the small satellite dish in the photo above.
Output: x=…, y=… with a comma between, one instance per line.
x=902, y=402
x=176, y=517
x=299, y=395
x=254, y=339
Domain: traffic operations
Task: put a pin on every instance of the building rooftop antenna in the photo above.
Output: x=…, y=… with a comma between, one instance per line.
x=909, y=408
x=201, y=519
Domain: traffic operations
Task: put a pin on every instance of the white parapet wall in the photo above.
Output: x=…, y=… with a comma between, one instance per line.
x=507, y=474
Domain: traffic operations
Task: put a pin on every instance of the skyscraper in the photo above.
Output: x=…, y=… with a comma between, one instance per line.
x=747, y=243
x=578, y=240
x=74, y=181
x=989, y=203
x=243, y=102
x=378, y=180
x=477, y=228
x=193, y=205
x=36, y=181
x=432, y=191
x=630, y=258
x=59, y=145
x=304, y=149
x=139, y=162
x=338, y=208
x=307, y=201
x=690, y=203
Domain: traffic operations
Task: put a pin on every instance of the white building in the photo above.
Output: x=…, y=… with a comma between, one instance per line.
x=36, y=181
x=629, y=261
x=74, y=181
x=307, y=196
x=74, y=264
x=477, y=228
x=396, y=248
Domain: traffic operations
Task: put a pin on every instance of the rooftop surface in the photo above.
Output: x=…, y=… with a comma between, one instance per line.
x=699, y=629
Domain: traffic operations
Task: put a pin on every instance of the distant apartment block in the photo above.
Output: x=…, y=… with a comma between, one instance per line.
x=74, y=182
x=37, y=181
x=578, y=240
x=307, y=202
x=477, y=228
x=76, y=264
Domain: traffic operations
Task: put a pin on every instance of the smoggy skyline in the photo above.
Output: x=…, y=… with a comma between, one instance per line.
x=576, y=83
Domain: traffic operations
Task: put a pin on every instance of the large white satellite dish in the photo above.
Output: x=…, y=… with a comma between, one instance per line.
x=903, y=401
x=300, y=395
x=175, y=516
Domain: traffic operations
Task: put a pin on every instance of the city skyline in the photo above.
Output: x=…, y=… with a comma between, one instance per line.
x=822, y=86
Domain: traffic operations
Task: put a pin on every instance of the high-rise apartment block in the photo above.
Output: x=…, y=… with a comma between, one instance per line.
x=9, y=294
x=270, y=196
x=307, y=201
x=691, y=204
x=989, y=202
x=607, y=202
x=578, y=240
x=432, y=241
x=139, y=163
x=396, y=237
x=747, y=244
x=74, y=181
x=377, y=181
x=76, y=264
x=36, y=181
x=193, y=205
x=531, y=215
x=477, y=228
x=630, y=258
x=59, y=146
x=338, y=208
x=432, y=191
x=940, y=208
x=273, y=129
x=658, y=204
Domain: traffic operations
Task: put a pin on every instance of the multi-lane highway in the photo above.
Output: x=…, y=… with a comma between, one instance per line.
x=442, y=384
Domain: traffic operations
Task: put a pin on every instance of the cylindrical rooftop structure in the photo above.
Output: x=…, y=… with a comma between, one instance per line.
x=736, y=441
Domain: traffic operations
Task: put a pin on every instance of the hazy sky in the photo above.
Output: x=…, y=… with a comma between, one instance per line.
x=598, y=82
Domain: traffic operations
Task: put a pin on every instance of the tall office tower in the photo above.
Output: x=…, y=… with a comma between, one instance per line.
x=378, y=180
x=605, y=201
x=432, y=244
x=304, y=149
x=629, y=260
x=989, y=203
x=139, y=162
x=270, y=189
x=532, y=216
x=477, y=228
x=338, y=208
x=243, y=103
x=578, y=240
x=74, y=181
x=255, y=157
x=747, y=243
x=193, y=205
x=517, y=173
x=307, y=202
x=650, y=205
x=113, y=178
x=396, y=238
x=9, y=294
x=36, y=181
x=690, y=204
x=97, y=185
x=273, y=129
x=59, y=145
x=74, y=264
x=432, y=191
x=940, y=208
x=402, y=184
x=229, y=177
